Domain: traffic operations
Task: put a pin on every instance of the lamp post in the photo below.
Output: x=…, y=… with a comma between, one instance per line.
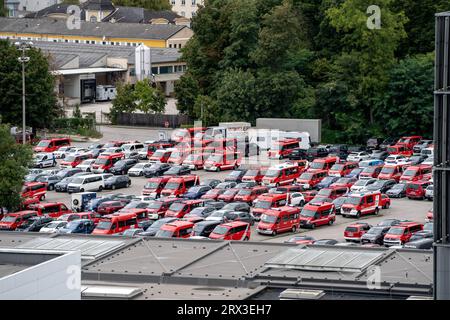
x=23, y=59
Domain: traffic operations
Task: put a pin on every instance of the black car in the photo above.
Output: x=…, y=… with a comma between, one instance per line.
x=204, y=228
x=236, y=176
x=325, y=242
x=415, y=160
x=117, y=182
x=241, y=216
x=339, y=150
x=388, y=142
x=237, y=206
x=216, y=205
x=357, y=149
x=34, y=224
x=122, y=166
x=50, y=180
x=379, y=155
x=314, y=153
x=68, y=172
x=421, y=235
x=424, y=244
x=154, y=228
x=397, y=191
x=298, y=154
x=389, y=223
x=374, y=143
x=226, y=185
x=375, y=235
x=178, y=171
x=200, y=212
x=210, y=183
x=156, y=170
x=381, y=185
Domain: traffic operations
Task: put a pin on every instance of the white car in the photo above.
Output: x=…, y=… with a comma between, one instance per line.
x=53, y=226
x=77, y=151
x=358, y=156
x=297, y=199
x=112, y=150
x=397, y=159
x=131, y=150
x=86, y=165
x=361, y=184
x=429, y=193
x=429, y=161
x=62, y=152
x=138, y=169
x=42, y=160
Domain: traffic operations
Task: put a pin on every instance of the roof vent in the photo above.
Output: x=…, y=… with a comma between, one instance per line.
x=110, y=292
x=301, y=294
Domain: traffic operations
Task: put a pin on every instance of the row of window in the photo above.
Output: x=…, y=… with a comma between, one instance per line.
x=183, y=2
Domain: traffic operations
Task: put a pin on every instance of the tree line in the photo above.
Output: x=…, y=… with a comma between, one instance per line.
x=314, y=59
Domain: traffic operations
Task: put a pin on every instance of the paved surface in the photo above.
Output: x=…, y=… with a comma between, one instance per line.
x=401, y=208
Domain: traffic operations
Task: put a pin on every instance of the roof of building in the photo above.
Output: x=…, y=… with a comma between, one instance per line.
x=98, y=29
x=213, y=269
x=139, y=15
x=101, y=5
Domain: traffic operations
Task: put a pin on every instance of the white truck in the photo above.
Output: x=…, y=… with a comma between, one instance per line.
x=106, y=93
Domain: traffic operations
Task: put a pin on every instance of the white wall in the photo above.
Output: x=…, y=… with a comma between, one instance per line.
x=187, y=8
x=51, y=280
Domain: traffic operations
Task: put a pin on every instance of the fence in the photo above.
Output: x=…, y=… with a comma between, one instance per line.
x=153, y=120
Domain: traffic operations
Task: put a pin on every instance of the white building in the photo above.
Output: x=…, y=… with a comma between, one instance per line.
x=16, y=8
x=186, y=8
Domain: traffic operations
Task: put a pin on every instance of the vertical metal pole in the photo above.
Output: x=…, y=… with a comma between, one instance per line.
x=23, y=98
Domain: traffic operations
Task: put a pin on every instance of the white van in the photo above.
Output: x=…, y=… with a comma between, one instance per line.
x=131, y=150
x=42, y=160
x=92, y=182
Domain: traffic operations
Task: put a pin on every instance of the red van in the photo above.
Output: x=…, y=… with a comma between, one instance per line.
x=371, y=172
x=213, y=194
x=268, y=201
x=177, y=156
x=282, y=174
x=176, y=229
x=177, y=186
x=51, y=209
x=105, y=162
x=317, y=214
x=400, y=149
x=236, y=230
x=415, y=173
x=281, y=149
x=342, y=169
x=94, y=216
x=116, y=223
x=254, y=175
x=278, y=220
x=157, y=209
x=416, y=190
x=154, y=186
x=250, y=194
x=161, y=155
x=36, y=190
x=51, y=145
x=73, y=161
x=400, y=234
x=310, y=179
x=410, y=141
x=12, y=220
x=196, y=161
x=109, y=207
x=357, y=205
x=389, y=172
x=323, y=164
x=355, y=231
x=226, y=160
x=332, y=192
x=180, y=209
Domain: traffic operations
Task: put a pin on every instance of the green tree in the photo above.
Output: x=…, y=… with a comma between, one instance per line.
x=2, y=8
x=186, y=92
x=14, y=161
x=148, y=98
x=124, y=101
x=406, y=107
x=41, y=103
x=207, y=109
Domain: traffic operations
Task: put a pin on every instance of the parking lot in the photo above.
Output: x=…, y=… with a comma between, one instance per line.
x=414, y=210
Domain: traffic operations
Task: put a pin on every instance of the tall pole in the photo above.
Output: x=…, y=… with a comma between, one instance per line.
x=24, y=135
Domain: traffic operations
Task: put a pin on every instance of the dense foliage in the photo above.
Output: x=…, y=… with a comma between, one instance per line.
x=14, y=161
x=314, y=59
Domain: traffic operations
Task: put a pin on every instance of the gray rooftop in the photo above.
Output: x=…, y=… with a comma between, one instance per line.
x=100, y=29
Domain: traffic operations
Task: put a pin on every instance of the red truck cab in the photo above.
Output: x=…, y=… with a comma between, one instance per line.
x=250, y=194
x=409, y=142
x=323, y=164
x=400, y=149
x=283, y=148
x=278, y=220
x=154, y=186
x=37, y=190
x=177, y=186
x=317, y=214
x=310, y=179
x=236, y=230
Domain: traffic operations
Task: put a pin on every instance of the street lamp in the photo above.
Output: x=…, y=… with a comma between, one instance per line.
x=23, y=59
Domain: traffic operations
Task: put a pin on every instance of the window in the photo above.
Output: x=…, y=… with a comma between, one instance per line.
x=121, y=224
x=170, y=45
x=93, y=19
x=183, y=2
x=172, y=2
x=369, y=200
x=155, y=70
x=166, y=70
x=194, y=2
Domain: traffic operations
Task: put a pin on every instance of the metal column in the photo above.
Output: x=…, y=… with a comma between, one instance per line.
x=442, y=160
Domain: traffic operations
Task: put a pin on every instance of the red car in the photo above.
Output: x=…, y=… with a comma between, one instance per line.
x=176, y=229
x=249, y=195
x=371, y=172
x=301, y=240
x=310, y=179
x=277, y=220
x=317, y=214
x=416, y=190
x=13, y=220
x=51, y=209
x=51, y=145
x=36, y=190
x=157, y=209
x=342, y=169
x=400, y=234
x=179, y=209
x=355, y=231
x=94, y=216
x=110, y=207
x=228, y=195
x=236, y=230
x=154, y=186
x=385, y=201
x=255, y=175
x=213, y=194
x=344, y=182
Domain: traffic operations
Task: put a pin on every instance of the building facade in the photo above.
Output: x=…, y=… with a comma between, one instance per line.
x=16, y=8
x=186, y=8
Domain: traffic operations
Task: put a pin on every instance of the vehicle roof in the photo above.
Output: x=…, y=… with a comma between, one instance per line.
x=111, y=155
x=234, y=224
x=178, y=224
x=276, y=211
x=408, y=224
x=19, y=213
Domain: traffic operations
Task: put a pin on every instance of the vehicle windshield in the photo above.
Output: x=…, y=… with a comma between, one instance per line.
x=77, y=181
x=39, y=157
x=340, y=201
x=158, y=154
x=119, y=163
x=377, y=184
x=325, y=192
x=306, y=176
x=361, y=183
x=356, y=171
x=317, y=165
x=353, y=200
x=152, y=185
x=155, y=205
x=343, y=181
x=337, y=167
x=139, y=165
x=127, y=147
x=102, y=161
x=192, y=157
x=387, y=170
x=156, y=166
x=230, y=192
x=73, y=225
x=43, y=143
x=215, y=158
x=272, y=173
x=375, y=231
x=9, y=219
x=307, y=213
x=164, y=234
x=244, y=192
x=197, y=211
x=87, y=162
x=252, y=173
x=220, y=230
x=396, y=230
x=263, y=204
x=53, y=225
x=328, y=180
x=413, y=186
x=177, y=206
x=195, y=189
x=369, y=169
x=70, y=158
x=104, y=225
x=268, y=218
x=392, y=149
x=398, y=186
x=410, y=173
x=172, y=185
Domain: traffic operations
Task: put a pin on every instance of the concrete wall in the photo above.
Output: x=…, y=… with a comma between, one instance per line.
x=55, y=279
x=313, y=126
